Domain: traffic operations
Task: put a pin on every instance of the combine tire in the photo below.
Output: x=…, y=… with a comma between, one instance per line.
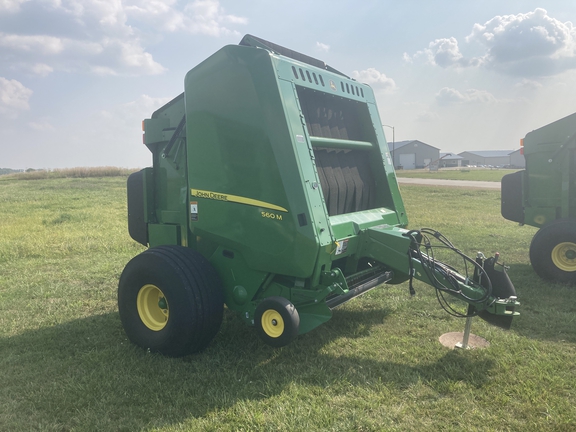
x=553, y=251
x=277, y=321
x=170, y=301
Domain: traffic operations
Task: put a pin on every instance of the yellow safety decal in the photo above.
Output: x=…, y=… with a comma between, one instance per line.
x=234, y=198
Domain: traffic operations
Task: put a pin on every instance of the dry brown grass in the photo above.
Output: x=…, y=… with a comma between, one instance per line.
x=78, y=172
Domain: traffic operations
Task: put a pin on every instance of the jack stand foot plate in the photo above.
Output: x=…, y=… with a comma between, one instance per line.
x=454, y=340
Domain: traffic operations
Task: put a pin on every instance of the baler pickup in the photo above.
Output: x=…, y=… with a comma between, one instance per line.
x=272, y=191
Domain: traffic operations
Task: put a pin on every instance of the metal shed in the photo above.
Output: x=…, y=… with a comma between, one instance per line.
x=449, y=160
x=495, y=158
x=413, y=154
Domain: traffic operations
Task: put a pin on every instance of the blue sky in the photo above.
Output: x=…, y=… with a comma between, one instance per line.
x=78, y=76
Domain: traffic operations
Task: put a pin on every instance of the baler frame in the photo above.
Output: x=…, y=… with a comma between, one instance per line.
x=272, y=175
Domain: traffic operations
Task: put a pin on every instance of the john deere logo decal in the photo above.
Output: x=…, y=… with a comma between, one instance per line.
x=332, y=85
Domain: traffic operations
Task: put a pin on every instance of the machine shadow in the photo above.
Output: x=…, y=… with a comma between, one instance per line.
x=90, y=371
x=547, y=308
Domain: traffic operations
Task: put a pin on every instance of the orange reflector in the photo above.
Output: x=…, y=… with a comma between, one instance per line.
x=521, y=146
x=142, y=125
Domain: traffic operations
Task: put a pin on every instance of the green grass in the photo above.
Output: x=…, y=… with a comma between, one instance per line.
x=65, y=363
x=473, y=174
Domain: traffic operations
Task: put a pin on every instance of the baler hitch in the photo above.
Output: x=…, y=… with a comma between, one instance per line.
x=488, y=291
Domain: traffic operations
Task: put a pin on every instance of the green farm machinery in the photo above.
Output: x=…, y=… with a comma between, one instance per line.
x=544, y=196
x=272, y=192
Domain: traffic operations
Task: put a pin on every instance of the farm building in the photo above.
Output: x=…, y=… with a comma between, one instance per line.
x=413, y=154
x=449, y=160
x=517, y=159
x=496, y=158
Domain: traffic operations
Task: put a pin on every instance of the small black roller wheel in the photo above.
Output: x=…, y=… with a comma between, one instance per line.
x=553, y=251
x=277, y=321
x=170, y=300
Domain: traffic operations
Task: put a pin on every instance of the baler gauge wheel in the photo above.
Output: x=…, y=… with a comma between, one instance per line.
x=277, y=321
x=272, y=323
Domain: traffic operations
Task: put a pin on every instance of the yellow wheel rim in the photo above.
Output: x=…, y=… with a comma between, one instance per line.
x=272, y=323
x=152, y=307
x=564, y=256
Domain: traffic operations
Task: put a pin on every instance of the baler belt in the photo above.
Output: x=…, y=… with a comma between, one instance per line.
x=368, y=185
x=330, y=190
x=346, y=180
x=340, y=182
x=356, y=182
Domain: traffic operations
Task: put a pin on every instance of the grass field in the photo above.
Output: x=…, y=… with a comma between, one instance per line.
x=66, y=365
x=473, y=174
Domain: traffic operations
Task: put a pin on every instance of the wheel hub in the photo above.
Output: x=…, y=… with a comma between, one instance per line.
x=152, y=307
x=272, y=323
x=564, y=256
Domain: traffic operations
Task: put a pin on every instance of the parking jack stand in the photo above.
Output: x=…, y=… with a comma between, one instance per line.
x=465, y=340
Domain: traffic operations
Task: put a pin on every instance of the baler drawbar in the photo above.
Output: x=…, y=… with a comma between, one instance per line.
x=272, y=191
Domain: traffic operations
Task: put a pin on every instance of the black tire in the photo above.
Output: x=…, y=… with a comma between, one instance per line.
x=553, y=251
x=170, y=300
x=277, y=321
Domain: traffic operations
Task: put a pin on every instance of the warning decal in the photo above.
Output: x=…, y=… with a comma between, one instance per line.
x=193, y=211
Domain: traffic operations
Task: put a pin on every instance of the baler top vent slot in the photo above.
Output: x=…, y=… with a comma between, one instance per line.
x=310, y=76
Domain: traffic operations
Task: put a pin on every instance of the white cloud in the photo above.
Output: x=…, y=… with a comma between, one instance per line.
x=91, y=36
x=43, y=45
x=158, y=13
x=198, y=17
x=42, y=125
x=373, y=77
x=427, y=116
x=11, y=5
x=208, y=17
x=529, y=84
x=526, y=44
x=446, y=53
x=14, y=97
x=450, y=96
x=529, y=44
x=44, y=54
x=322, y=47
x=96, y=35
x=42, y=69
x=442, y=52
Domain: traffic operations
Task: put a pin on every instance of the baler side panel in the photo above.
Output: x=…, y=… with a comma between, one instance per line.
x=167, y=223
x=351, y=161
x=512, y=196
x=389, y=182
x=334, y=134
x=241, y=163
x=550, y=184
x=344, y=111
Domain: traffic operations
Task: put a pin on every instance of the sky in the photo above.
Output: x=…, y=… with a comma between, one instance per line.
x=77, y=77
